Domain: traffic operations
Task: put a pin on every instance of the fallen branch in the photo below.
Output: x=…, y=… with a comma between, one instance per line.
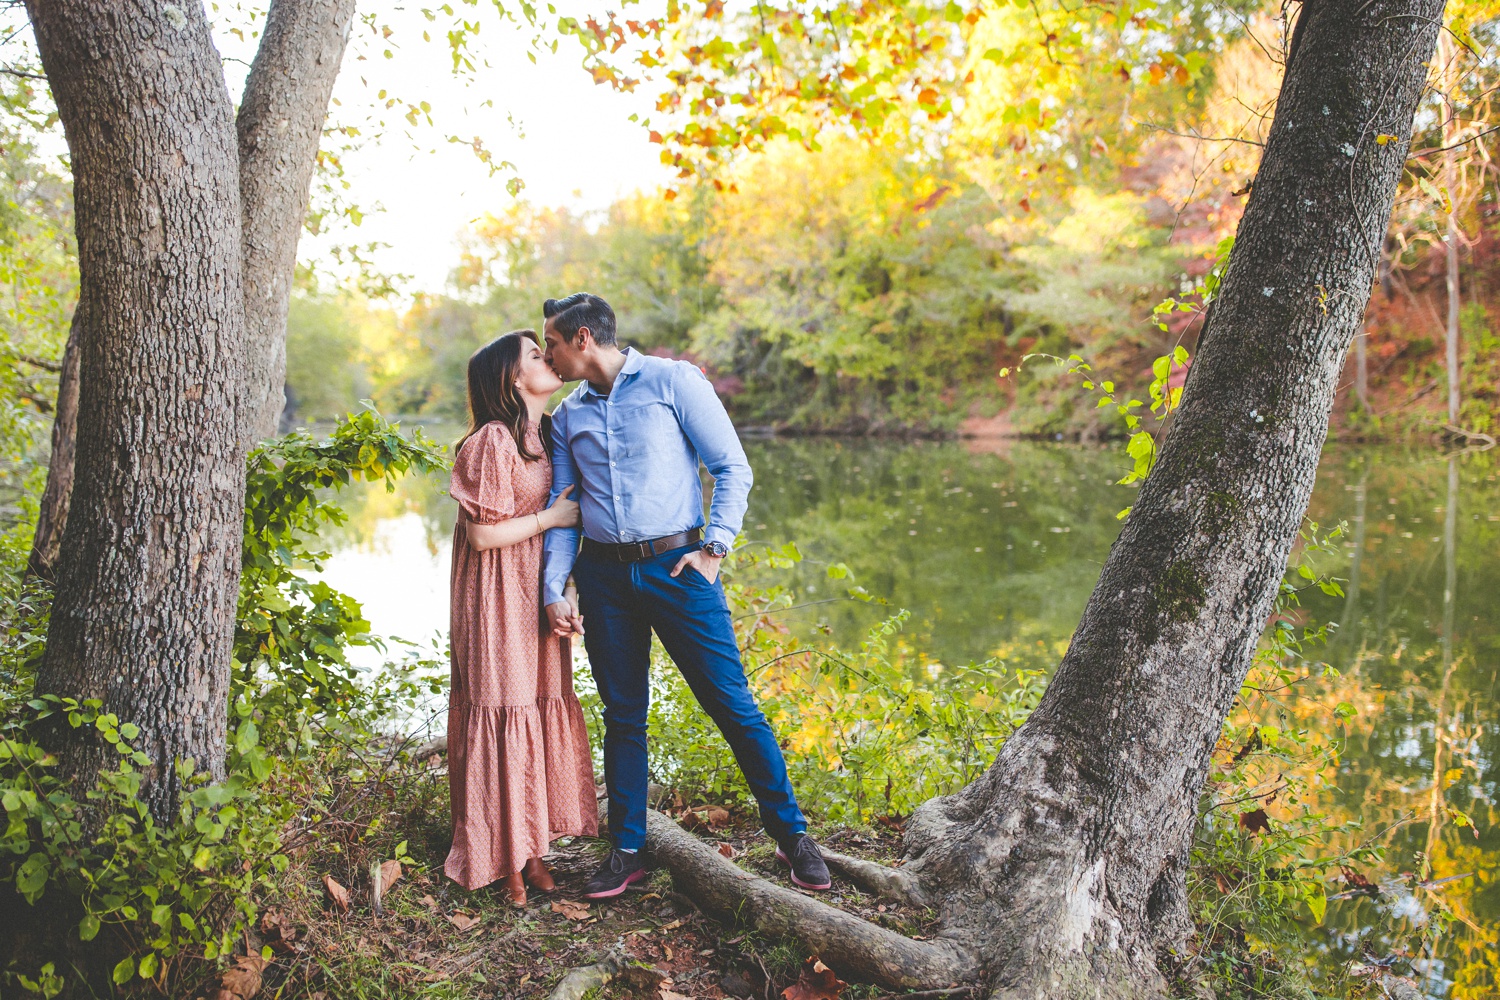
x=587, y=977
x=852, y=946
x=877, y=879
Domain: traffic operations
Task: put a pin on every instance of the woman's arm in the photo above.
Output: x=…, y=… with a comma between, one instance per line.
x=503, y=534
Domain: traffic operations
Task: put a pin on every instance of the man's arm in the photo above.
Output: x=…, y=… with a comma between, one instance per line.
x=560, y=549
x=708, y=428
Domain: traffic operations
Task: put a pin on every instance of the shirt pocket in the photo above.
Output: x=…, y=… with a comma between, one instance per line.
x=649, y=429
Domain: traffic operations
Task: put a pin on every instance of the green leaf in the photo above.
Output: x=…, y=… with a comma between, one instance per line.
x=88, y=927
x=149, y=965
x=31, y=876
x=202, y=859
x=124, y=971
x=1317, y=902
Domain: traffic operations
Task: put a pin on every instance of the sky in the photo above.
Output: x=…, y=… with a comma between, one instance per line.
x=571, y=140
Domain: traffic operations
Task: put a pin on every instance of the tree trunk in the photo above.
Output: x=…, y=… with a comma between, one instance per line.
x=280, y=125
x=52, y=518
x=1079, y=833
x=143, y=614
x=1060, y=872
x=1446, y=56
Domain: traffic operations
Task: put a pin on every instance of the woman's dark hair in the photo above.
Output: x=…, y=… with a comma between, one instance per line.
x=493, y=394
x=579, y=310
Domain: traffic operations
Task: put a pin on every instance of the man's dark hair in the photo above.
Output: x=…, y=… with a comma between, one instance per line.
x=570, y=314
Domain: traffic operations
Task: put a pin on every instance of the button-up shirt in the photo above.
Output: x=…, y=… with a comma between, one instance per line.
x=633, y=454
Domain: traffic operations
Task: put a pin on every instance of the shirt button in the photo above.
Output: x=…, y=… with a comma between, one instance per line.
x=612, y=465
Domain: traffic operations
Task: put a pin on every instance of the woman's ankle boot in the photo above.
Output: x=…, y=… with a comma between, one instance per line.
x=514, y=889
x=538, y=877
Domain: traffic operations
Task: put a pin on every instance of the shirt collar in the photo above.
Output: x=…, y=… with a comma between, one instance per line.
x=633, y=361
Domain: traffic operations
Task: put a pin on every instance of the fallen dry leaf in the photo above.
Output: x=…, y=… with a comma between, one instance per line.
x=337, y=893
x=1255, y=821
x=241, y=981
x=718, y=816
x=428, y=901
x=644, y=979
x=462, y=920
x=669, y=995
x=815, y=982
x=390, y=874
x=571, y=910
x=727, y=849
x=672, y=926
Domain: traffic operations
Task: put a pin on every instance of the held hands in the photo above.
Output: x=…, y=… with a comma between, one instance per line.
x=563, y=513
x=706, y=565
x=563, y=616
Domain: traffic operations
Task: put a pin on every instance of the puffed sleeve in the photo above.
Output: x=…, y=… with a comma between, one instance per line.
x=481, y=481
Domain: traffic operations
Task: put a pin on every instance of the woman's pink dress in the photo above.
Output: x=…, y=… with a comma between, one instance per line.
x=519, y=770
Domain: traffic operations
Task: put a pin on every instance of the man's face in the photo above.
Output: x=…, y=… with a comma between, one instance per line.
x=566, y=359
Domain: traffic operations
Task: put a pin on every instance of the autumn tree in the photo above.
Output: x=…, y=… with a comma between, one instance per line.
x=1060, y=872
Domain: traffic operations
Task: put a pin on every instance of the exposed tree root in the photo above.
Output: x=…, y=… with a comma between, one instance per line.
x=847, y=943
x=877, y=879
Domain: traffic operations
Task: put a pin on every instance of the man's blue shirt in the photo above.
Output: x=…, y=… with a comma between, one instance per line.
x=634, y=456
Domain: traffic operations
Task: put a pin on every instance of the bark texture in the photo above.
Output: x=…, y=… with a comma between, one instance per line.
x=143, y=613
x=280, y=125
x=1061, y=871
x=52, y=517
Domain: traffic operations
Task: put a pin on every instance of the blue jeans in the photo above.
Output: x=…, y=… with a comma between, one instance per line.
x=621, y=604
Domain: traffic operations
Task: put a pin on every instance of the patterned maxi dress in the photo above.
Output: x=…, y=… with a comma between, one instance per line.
x=519, y=769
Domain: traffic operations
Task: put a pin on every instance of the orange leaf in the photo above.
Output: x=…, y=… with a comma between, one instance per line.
x=390, y=874
x=816, y=982
x=337, y=893
x=727, y=849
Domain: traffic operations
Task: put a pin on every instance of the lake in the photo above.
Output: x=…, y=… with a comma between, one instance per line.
x=994, y=548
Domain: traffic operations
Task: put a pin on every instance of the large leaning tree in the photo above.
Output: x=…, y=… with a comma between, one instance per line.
x=1060, y=872
x=187, y=216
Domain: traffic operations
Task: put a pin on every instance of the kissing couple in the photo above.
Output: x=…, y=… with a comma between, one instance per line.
x=614, y=467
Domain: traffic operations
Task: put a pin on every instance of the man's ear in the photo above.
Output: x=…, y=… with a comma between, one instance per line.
x=583, y=339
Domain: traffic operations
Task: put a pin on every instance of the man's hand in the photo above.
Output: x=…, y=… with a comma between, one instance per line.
x=564, y=618
x=705, y=564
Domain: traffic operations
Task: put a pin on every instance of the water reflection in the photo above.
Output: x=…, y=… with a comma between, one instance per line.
x=995, y=553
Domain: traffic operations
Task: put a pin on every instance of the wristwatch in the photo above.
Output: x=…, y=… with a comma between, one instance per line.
x=716, y=549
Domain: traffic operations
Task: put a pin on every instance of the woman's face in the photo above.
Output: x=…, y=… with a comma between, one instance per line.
x=534, y=377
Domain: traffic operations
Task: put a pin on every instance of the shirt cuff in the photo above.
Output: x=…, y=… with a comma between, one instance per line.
x=717, y=533
x=552, y=592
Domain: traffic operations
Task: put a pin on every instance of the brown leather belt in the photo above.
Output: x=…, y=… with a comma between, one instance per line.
x=636, y=551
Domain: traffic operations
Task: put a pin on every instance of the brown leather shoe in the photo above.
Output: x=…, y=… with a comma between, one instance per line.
x=514, y=889
x=538, y=876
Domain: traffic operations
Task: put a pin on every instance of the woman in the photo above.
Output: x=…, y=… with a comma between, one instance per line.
x=519, y=770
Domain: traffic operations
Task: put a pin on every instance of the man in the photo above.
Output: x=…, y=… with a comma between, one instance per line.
x=630, y=437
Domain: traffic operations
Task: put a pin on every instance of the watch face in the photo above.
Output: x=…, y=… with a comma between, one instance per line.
x=716, y=549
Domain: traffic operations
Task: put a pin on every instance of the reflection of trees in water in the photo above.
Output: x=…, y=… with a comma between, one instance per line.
x=1419, y=660
x=990, y=552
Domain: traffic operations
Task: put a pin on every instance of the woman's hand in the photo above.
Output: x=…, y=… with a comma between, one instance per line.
x=563, y=513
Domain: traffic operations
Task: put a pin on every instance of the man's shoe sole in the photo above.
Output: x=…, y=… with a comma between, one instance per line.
x=634, y=876
x=781, y=856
